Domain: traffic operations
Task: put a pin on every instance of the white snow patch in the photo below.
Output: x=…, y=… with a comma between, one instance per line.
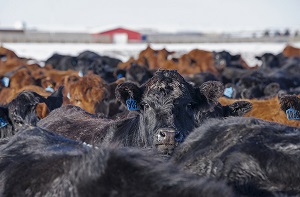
x=42, y=51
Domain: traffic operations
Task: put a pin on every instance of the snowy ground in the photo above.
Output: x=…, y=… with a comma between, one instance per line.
x=42, y=51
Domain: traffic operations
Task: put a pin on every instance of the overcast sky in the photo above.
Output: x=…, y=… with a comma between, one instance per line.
x=169, y=15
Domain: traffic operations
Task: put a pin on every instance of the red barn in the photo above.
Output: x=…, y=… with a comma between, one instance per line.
x=121, y=35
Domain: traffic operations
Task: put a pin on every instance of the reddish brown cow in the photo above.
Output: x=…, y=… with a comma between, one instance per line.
x=8, y=53
x=10, y=65
x=269, y=110
x=22, y=77
x=92, y=93
x=152, y=59
x=291, y=51
x=67, y=82
x=192, y=62
x=8, y=94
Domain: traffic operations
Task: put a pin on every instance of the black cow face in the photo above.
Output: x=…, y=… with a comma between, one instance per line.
x=222, y=59
x=269, y=60
x=170, y=107
x=21, y=110
x=138, y=73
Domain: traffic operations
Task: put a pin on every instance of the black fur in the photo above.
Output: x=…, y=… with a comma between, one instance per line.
x=166, y=103
x=36, y=162
x=21, y=110
x=256, y=157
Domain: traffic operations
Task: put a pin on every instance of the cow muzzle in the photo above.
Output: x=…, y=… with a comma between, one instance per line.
x=168, y=139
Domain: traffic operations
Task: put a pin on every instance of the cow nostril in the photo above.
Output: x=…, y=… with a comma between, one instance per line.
x=178, y=137
x=162, y=134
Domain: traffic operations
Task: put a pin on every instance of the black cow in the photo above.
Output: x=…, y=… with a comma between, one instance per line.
x=36, y=162
x=166, y=109
x=135, y=73
x=22, y=110
x=85, y=62
x=63, y=62
x=271, y=61
x=199, y=78
x=104, y=66
x=224, y=59
x=256, y=157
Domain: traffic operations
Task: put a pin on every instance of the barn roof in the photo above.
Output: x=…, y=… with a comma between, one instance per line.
x=118, y=29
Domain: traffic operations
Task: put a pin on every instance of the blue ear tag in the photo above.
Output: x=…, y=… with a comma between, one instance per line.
x=49, y=89
x=3, y=123
x=5, y=81
x=80, y=73
x=292, y=114
x=119, y=76
x=228, y=92
x=131, y=104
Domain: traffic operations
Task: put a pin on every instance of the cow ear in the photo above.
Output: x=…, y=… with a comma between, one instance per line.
x=258, y=57
x=112, y=87
x=128, y=90
x=211, y=91
x=238, y=108
x=289, y=101
x=42, y=110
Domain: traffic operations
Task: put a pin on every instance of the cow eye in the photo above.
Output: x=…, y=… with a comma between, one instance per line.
x=146, y=106
x=77, y=101
x=189, y=106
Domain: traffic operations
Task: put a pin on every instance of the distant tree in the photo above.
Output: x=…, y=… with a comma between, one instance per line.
x=277, y=33
x=296, y=33
x=287, y=33
x=267, y=33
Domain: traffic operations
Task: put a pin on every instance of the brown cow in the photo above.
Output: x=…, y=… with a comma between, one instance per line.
x=192, y=62
x=291, y=51
x=8, y=53
x=269, y=110
x=8, y=94
x=67, y=82
x=150, y=58
x=10, y=65
x=92, y=93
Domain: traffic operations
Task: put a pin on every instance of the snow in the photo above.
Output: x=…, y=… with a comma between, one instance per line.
x=42, y=51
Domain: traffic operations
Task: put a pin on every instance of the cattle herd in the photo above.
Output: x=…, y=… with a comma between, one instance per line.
x=202, y=124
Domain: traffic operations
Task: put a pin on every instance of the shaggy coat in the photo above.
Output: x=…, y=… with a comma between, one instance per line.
x=167, y=109
x=254, y=156
x=36, y=162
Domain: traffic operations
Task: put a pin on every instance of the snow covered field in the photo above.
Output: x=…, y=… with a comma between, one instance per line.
x=42, y=51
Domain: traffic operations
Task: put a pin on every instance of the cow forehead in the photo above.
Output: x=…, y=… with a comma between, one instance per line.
x=170, y=88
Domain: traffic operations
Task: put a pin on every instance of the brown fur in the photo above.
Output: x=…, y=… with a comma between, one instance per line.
x=88, y=91
x=21, y=78
x=10, y=65
x=42, y=110
x=291, y=51
x=9, y=53
x=193, y=62
x=67, y=82
x=265, y=109
x=58, y=75
x=8, y=94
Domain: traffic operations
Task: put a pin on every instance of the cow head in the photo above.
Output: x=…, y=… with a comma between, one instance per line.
x=169, y=107
x=19, y=112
